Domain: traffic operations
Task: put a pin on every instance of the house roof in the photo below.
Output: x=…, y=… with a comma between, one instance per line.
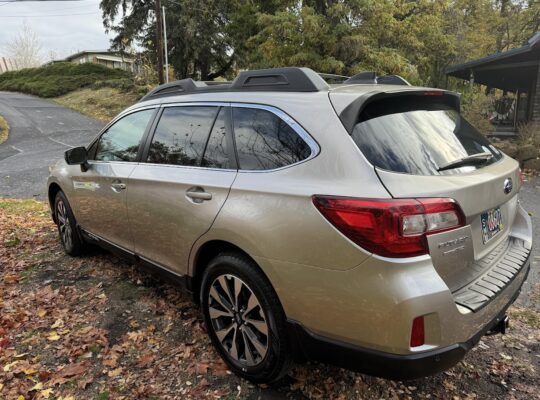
x=104, y=53
x=114, y=58
x=509, y=70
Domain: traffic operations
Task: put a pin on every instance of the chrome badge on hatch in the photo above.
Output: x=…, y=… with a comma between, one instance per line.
x=508, y=185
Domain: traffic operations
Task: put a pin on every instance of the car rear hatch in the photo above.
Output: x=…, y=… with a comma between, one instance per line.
x=421, y=147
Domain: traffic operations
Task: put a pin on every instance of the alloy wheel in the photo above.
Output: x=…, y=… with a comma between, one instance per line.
x=238, y=320
x=63, y=224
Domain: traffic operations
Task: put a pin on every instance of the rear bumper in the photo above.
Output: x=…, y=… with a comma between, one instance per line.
x=311, y=346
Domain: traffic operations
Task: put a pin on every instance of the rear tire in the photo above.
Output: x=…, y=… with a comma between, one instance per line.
x=68, y=230
x=244, y=318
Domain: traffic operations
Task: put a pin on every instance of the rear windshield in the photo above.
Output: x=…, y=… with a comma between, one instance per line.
x=415, y=135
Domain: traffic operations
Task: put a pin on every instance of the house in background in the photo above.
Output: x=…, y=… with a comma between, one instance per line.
x=8, y=64
x=516, y=71
x=108, y=58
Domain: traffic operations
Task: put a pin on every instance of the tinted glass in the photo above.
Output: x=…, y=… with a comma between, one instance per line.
x=181, y=135
x=121, y=141
x=215, y=155
x=418, y=138
x=265, y=141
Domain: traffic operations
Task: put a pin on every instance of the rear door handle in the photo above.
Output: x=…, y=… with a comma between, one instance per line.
x=198, y=195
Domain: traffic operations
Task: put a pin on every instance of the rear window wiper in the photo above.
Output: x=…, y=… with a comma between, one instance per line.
x=473, y=159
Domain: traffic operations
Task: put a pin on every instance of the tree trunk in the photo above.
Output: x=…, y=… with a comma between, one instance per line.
x=502, y=29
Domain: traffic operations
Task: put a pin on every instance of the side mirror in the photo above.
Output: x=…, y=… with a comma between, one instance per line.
x=77, y=156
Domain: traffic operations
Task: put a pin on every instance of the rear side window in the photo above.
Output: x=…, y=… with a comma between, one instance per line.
x=418, y=136
x=264, y=141
x=181, y=135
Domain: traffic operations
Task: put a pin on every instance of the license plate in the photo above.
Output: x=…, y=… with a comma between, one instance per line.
x=491, y=224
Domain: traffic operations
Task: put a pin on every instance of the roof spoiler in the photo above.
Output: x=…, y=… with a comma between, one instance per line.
x=349, y=115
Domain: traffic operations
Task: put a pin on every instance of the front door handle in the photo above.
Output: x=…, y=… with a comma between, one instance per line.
x=198, y=195
x=118, y=186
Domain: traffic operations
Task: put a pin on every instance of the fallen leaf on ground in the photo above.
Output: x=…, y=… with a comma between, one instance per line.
x=201, y=368
x=57, y=324
x=73, y=370
x=145, y=360
x=46, y=393
x=11, y=279
x=115, y=372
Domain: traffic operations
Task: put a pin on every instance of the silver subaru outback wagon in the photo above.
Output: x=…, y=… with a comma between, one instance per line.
x=365, y=224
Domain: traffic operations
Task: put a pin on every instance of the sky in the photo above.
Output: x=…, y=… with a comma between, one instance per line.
x=64, y=27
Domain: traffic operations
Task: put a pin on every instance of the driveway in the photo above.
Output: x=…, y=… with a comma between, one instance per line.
x=40, y=132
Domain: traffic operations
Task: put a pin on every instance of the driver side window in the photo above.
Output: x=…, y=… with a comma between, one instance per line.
x=122, y=140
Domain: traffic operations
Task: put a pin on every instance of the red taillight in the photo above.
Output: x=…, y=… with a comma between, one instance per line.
x=390, y=227
x=433, y=93
x=417, y=332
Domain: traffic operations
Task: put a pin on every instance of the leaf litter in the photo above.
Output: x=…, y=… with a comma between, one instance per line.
x=98, y=327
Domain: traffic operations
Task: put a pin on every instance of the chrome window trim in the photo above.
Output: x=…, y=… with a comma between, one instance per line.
x=295, y=126
x=112, y=162
x=197, y=104
x=187, y=167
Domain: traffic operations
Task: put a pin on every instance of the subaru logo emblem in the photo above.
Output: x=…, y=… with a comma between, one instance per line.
x=508, y=185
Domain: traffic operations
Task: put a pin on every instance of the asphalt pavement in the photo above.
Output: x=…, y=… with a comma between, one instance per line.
x=40, y=132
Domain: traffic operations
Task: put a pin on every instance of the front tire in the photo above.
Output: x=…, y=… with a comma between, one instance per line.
x=68, y=231
x=245, y=320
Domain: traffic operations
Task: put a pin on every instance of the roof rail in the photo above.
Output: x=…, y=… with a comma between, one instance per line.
x=392, y=80
x=333, y=77
x=174, y=88
x=290, y=79
x=215, y=83
x=362, y=77
x=370, y=77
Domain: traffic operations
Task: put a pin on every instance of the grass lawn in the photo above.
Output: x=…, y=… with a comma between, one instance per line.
x=103, y=103
x=97, y=327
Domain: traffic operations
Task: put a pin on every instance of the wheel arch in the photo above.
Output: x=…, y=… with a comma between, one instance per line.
x=53, y=189
x=207, y=252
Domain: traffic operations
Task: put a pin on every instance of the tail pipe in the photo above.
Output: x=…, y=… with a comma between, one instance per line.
x=499, y=327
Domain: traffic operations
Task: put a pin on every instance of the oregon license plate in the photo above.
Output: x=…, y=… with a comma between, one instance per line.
x=492, y=224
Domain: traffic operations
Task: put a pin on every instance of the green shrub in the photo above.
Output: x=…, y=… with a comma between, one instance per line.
x=475, y=107
x=60, y=78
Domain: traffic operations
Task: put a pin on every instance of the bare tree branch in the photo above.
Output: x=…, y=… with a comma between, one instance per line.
x=25, y=48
